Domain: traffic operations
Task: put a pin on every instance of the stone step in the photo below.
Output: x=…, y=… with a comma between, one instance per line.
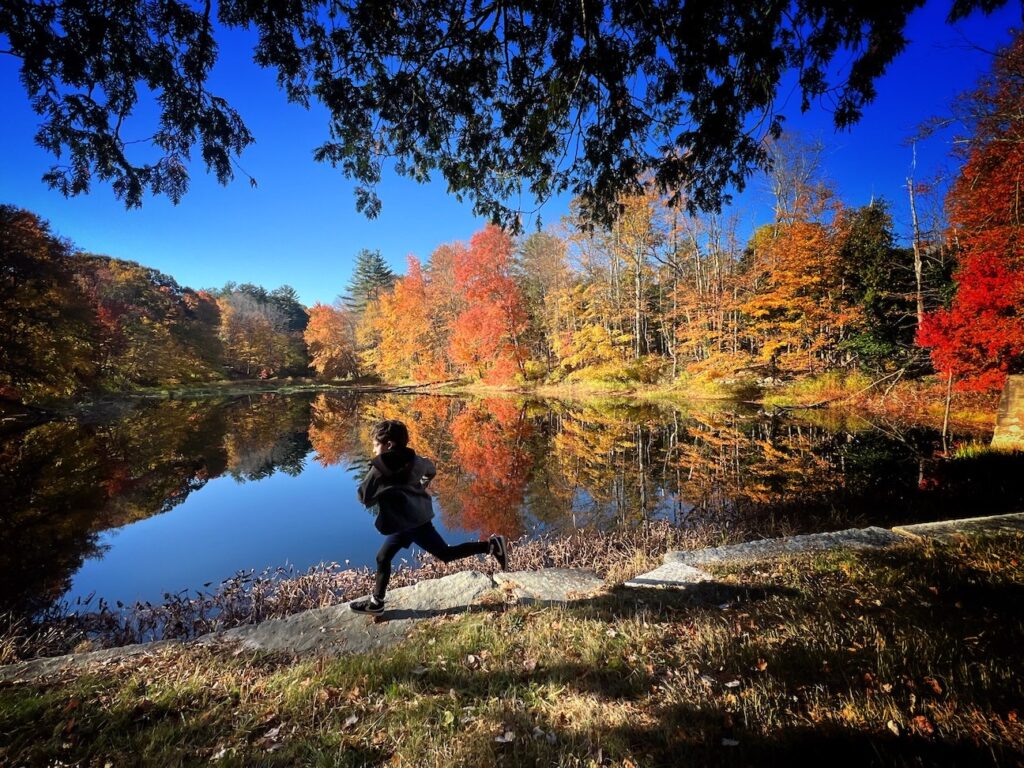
x=670, y=576
x=549, y=585
x=766, y=549
x=948, y=530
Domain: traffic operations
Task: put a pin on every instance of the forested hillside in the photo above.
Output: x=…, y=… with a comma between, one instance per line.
x=73, y=322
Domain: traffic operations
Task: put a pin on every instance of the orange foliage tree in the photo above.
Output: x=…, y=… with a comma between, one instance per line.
x=405, y=328
x=486, y=335
x=330, y=337
x=798, y=310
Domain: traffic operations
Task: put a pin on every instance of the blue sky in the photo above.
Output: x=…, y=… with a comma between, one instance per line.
x=300, y=226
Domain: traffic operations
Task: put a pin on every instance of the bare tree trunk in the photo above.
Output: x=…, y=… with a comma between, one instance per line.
x=945, y=415
x=637, y=326
x=917, y=241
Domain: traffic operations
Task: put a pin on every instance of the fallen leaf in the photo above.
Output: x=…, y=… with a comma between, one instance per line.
x=530, y=665
x=891, y=725
x=220, y=753
x=923, y=725
x=934, y=685
x=761, y=665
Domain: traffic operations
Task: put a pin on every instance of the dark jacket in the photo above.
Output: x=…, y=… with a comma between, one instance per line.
x=397, y=484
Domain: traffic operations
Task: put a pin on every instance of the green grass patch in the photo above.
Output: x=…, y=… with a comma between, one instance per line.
x=975, y=449
x=825, y=387
x=903, y=657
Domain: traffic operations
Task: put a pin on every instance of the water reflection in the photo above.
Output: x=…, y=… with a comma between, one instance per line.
x=506, y=465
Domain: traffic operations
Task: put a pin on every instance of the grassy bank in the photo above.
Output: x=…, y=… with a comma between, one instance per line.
x=918, y=401
x=901, y=658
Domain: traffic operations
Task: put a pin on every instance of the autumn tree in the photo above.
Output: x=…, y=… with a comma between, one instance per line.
x=699, y=293
x=798, y=312
x=152, y=330
x=47, y=334
x=798, y=308
x=542, y=272
x=487, y=335
x=979, y=338
x=254, y=335
x=406, y=348
x=330, y=339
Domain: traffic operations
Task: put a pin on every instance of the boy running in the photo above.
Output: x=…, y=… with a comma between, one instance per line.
x=397, y=483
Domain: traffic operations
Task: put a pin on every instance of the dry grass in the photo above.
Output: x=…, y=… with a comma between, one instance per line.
x=909, y=657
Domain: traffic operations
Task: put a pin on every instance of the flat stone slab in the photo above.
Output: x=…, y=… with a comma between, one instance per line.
x=766, y=549
x=947, y=530
x=336, y=629
x=551, y=585
x=36, y=668
x=670, y=576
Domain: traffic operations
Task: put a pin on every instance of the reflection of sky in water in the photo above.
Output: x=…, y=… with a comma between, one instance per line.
x=228, y=526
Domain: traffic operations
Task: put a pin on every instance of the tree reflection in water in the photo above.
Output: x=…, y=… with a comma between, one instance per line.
x=507, y=465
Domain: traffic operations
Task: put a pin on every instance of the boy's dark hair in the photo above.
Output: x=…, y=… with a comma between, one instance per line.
x=391, y=431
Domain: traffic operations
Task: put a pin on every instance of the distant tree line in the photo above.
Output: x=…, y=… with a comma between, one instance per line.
x=662, y=292
x=72, y=322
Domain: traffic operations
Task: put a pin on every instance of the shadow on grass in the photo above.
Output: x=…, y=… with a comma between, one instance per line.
x=865, y=633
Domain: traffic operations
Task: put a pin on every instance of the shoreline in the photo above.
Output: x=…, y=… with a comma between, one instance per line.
x=677, y=569
x=919, y=401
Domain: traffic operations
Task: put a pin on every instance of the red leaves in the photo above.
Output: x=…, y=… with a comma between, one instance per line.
x=980, y=337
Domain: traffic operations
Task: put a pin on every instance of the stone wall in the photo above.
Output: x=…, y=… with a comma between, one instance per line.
x=1010, y=420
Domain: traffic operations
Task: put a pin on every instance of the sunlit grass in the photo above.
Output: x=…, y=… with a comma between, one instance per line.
x=975, y=449
x=900, y=658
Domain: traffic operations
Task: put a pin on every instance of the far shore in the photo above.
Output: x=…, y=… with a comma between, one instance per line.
x=919, y=401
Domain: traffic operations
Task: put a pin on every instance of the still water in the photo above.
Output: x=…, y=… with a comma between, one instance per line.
x=162, y=497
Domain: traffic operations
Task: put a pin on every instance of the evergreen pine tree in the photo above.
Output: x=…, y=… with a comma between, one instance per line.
x=371, y=277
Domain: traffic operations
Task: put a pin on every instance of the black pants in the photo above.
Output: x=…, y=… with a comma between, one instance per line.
x=426, y=537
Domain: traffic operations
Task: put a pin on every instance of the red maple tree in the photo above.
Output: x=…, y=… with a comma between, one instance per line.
x=979, y=338
x=486, y=335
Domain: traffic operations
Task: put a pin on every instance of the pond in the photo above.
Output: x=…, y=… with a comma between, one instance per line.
x=160, y=497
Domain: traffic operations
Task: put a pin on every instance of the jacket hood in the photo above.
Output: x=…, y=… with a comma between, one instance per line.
x=394, y=463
